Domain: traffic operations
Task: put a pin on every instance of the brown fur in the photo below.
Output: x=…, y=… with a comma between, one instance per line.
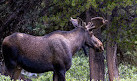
x=52, y=52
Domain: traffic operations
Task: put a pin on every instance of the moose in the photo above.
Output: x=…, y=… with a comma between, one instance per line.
x=51, y=52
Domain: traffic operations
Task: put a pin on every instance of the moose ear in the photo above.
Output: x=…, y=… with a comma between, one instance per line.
x=98, y=22
x=77, y=22
x=81, y=23
x=74, y=22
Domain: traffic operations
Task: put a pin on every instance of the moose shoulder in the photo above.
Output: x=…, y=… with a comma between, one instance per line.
x=52, y=52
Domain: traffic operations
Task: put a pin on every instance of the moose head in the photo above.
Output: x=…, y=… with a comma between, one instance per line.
x=96, y=43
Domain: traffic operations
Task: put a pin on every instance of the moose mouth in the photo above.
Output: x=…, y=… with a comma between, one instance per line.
x=99, y=49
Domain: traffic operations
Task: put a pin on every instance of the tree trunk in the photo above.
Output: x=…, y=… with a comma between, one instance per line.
x=112, y=61
x=96, y=63
x=91, y=56
x=96, y=59
x=111, y=51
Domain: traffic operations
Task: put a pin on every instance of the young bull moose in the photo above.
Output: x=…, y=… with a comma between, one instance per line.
x=96, y=22
x=52, y=52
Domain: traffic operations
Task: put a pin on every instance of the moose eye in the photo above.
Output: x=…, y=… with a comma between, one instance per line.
x=90, y=29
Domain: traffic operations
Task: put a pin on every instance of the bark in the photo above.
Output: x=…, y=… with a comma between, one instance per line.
x=112, y=60
x=96, y=66
x=111, y=51
x=96, y=59
x=91, y=56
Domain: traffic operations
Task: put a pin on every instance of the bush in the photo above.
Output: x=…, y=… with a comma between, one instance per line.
x=128, y=73
x=4, y=78
x=79, y=70
x=47, y=76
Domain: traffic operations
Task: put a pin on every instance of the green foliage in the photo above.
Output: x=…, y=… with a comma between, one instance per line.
x=79, y=70
x=4, y=78
x=128, y=73
x=45, y=77
x=58, y=15
x=92, y=2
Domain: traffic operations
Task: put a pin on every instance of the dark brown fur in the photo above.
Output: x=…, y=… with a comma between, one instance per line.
x=52, y=52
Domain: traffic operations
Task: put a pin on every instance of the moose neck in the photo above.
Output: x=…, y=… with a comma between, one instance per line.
x=77, y=39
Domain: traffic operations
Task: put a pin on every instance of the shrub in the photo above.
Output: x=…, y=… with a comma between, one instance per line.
x=4, y=78
x=128, y=73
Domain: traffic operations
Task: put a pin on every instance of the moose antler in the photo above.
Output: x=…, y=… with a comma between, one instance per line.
x=98, y=22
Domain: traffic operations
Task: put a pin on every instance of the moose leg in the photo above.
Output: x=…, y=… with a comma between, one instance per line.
x=55, y=77
x=84, y=49
x=61, y=75
x=16, y=73
x=10, y=57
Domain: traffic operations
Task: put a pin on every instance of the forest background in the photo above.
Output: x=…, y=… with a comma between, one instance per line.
x=40, y=17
